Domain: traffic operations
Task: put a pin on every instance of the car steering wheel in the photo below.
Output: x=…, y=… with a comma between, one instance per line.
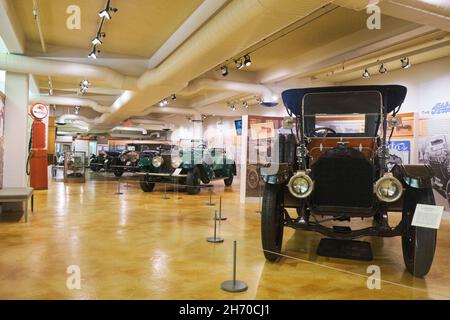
x=325, y=131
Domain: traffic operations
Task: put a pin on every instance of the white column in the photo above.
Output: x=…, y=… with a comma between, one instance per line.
x=16, y=131
x=244, y=147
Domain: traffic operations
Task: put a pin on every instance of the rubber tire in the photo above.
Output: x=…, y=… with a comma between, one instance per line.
x=193, y=181
x=229, y=181
x=447, y=192
x=418, y=258
x=145, y=185
x=118, y=172
x=272, y=226
x=290, y=149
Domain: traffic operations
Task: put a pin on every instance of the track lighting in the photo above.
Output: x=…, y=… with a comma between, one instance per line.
x=77, y=109
x=247, y=60
x=94, y=52
x=106, y=13
x=224, y=70
x=50, y=91
x=233, y=107
x=98, y=38
x=85, y=83
x=245, y=104
x=405, y=63
x=366, y=74
x=163, y=102
x=382, y=69
x=239, y=64
x=173, y=97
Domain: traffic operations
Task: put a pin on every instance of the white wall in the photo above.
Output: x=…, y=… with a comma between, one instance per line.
x=427, y=83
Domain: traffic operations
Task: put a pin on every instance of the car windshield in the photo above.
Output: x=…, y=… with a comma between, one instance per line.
x=342, y=114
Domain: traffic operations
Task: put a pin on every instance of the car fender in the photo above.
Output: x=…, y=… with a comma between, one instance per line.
x=414, y=175
x=280, y=175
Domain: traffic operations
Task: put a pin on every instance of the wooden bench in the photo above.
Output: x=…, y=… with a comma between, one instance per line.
x=18, y=195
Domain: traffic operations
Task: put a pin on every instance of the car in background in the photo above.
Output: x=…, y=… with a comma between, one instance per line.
x=439, y=160
x=188, y=167
x=102, y=161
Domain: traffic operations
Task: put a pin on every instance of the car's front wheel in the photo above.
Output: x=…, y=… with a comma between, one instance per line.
x=146, y=186
x=418, y=243
x=193, y=181
x=447, y=191
x=272, y=222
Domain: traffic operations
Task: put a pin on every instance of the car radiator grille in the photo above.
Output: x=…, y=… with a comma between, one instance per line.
x=343, y=182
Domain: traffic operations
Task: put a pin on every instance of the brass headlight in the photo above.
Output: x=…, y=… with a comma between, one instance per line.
x=157, y=161
x=300, y=185
x=388, y=188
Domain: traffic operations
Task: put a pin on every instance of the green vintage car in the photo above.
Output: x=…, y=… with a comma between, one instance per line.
x=187, y=167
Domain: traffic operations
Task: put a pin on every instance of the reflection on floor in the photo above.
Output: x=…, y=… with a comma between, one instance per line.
x=139, y=246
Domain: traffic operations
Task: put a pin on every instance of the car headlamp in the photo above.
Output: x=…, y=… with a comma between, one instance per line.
x=176, y=162
x=300, y=185
x=388, y=188
x=157, y=161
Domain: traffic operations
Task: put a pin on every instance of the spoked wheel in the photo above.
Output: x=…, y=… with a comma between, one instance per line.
x=272, y=219
x=418, y=243
x=193, y=181
x=146, y=186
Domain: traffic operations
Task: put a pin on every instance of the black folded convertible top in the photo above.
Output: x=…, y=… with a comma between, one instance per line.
x=393, y=95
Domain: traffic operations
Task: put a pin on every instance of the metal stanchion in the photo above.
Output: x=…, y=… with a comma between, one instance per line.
x=220, y=217
x=234, y=285
x=165, y=192
x=210, y=203
x=118, y=187
x=177, y=193
x=126, y=182
x=215, y=239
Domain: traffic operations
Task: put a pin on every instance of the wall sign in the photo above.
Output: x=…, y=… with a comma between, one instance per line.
x=39, y=111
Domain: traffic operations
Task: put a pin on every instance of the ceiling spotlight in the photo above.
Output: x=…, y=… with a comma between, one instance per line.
x=165, y=102
x=224, y=70
x=50, y=91
x=405, y=63
x=247, y=60
x=77, y=109
x=245, y=104
x=239, y=64
x=382, y=69
x=85, y=83
x=259, y=100
x=233, y=107
x=366, y=74
x=98, y=38
x=106, y=13
x=173, y=97
x=161, y=103
x=93, y=54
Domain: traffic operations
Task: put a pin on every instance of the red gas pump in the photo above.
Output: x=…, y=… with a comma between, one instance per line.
x=38, y=152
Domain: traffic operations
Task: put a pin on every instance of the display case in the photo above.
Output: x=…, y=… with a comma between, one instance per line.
x=74, y=166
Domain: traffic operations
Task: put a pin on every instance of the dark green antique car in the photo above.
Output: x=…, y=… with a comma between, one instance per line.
x=187, y=167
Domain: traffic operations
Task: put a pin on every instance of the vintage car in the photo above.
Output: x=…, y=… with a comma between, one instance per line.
x=127, y=160
x=340, y=173
x=187, y=167
x=439, y=160
x=102, y=161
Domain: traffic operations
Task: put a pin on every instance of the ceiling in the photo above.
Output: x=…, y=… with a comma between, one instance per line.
x=330, y=45
x=138, y=29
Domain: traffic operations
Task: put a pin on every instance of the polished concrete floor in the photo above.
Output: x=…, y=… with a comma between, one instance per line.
x=139, y=246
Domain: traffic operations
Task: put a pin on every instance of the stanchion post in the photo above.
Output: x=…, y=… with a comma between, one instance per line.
x=220, y=217
x=259, y=201
x=234, y=285
x=165, y=192
x=215, y=239
x=118, y=187
x=210, y=203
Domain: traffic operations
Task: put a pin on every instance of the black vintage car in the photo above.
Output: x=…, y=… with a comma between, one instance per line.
x=102, y=161
x=340, y=173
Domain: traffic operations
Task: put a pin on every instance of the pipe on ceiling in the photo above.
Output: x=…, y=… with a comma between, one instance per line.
x=45, y=67
x=69, y=101
x=204, y=12
x=198, y=85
